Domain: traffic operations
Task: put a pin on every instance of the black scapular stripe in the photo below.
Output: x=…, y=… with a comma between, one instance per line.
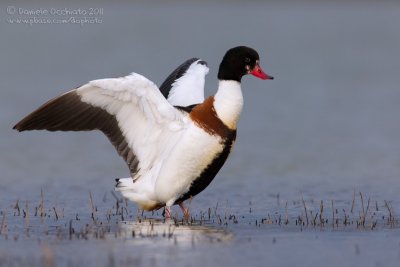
x=187, y=109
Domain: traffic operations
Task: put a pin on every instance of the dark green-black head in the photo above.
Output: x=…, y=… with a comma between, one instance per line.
x=239, y=61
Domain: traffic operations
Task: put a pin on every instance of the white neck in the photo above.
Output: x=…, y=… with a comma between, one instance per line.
x=228, y=102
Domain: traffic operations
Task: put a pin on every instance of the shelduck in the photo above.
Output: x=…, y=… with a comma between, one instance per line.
x=173, y=141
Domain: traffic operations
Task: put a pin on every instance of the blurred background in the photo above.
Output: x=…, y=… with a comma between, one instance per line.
x=327, y=126
x=328, y=123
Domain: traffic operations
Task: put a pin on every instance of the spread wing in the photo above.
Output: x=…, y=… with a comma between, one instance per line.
x=130, y=111
x=185, y=85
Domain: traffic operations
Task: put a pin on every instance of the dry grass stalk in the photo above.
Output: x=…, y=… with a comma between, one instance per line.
x=333, y=216
x=17, y=207
x=362, y=203
x=55, y=212
x=305, y=208
x=286, y=215
x=354, y=199
x=92, y=206
x=26, y=216
x=42, y=213
x=391, y=218
x=2, y=223
x=321, y=210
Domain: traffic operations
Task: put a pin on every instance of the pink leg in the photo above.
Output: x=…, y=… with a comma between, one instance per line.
x=185, y=211
x=167, y=212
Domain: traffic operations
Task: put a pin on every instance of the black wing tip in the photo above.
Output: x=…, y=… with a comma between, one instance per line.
x=25, y=125
x=190, y=60
x=18, y=127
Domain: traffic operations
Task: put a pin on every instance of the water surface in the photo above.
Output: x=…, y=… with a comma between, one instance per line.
x=326, y=127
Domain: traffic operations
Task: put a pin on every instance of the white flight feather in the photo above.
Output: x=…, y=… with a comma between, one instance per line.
x=136, y=103
x=189, y=89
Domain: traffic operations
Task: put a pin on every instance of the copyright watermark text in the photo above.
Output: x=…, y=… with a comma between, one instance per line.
x=80, y=16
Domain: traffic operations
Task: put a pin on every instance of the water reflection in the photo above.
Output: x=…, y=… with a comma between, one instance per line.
x=151, y=230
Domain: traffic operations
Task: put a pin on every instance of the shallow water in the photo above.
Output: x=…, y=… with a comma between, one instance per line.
x=326, y=127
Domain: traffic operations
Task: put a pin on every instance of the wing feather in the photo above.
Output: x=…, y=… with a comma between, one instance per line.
x=167, y=85
x=130, y=111
x=185, y=85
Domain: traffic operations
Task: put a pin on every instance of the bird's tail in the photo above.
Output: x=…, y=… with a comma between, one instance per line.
x=123, y=184
x=132, y=191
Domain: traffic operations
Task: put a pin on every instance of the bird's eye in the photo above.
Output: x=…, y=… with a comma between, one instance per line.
x=247, y=60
